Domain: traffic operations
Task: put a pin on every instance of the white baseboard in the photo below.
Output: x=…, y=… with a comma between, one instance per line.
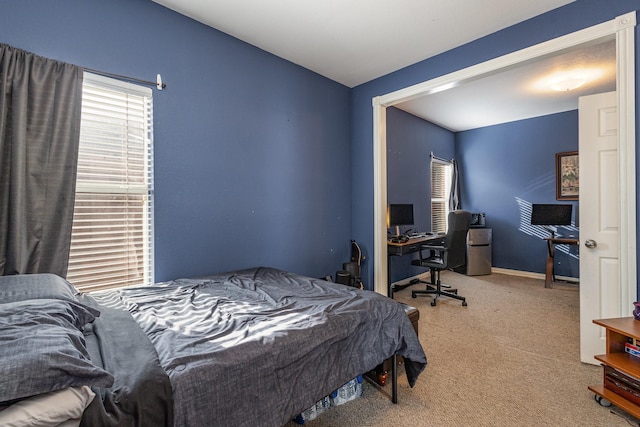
x=531, y=275
x=518, y=273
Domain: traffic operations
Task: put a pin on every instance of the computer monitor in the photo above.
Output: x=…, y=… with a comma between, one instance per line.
x=551, y=214
x=399, y=214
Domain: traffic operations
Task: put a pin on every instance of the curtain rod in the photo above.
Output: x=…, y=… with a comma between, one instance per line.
x=158, y=83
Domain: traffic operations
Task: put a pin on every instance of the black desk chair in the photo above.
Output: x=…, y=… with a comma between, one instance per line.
x=447, y=254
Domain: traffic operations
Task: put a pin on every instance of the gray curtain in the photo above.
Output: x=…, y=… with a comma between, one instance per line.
x=454, y=197
x=40, y=104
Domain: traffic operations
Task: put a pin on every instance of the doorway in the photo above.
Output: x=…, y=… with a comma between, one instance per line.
x=623, y=29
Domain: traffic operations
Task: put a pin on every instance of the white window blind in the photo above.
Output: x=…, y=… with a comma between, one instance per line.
x=112, y=235
x=441, y=177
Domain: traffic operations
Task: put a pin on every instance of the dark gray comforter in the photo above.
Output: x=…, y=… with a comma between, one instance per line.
x=256, y=347
x=141, y=394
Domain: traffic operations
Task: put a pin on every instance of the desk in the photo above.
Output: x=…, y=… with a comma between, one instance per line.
x=549, y=276
x=405, y=248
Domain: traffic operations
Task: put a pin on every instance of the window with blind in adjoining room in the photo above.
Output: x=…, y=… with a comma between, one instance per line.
x=441, y=178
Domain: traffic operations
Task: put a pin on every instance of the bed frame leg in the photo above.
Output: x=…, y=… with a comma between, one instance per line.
x=394, y=379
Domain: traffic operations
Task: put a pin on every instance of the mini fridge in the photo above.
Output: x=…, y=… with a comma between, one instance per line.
x=478, y=252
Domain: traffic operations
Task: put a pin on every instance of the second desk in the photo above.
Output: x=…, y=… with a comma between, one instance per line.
x=550, y=276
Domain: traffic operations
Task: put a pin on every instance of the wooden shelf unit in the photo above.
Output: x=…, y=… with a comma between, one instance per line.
x=619, y=330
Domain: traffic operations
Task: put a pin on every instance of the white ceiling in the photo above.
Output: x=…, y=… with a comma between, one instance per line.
x=355, y=41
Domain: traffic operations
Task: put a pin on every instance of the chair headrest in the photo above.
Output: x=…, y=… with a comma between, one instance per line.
x=459, y=220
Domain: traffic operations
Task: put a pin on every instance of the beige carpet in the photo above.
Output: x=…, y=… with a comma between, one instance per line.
x=511, y=358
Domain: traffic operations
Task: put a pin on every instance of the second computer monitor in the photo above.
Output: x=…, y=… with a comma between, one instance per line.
x=551, y=214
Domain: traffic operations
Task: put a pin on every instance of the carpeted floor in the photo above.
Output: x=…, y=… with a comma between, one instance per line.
x=511, y=358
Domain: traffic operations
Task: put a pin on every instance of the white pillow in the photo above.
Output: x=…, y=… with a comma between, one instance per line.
x=58, y=408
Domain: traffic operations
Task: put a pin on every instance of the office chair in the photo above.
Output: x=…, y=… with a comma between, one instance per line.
x=446, y=254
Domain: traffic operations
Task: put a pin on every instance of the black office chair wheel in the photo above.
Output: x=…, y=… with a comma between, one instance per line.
x=413, y=295
x=433, y=303
x=464, y=303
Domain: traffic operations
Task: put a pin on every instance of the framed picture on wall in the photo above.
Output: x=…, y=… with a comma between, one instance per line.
x=567, y=176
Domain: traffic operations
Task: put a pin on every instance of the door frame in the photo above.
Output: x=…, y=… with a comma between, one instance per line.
x=622, y=27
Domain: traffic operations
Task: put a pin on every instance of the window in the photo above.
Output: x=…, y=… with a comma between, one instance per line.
x=112, y=234
x=441, y=177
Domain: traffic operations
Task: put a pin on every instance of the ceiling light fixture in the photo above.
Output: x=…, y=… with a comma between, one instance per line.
x=563, y=81
x=569, y=83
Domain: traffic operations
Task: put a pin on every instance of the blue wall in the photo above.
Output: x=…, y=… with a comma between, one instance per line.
x=570, y=18
x=252, y=153
x=504, y=169
x=410, y=141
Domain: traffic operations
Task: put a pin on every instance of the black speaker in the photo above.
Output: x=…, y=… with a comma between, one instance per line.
x=343, y=277
x=353, y=268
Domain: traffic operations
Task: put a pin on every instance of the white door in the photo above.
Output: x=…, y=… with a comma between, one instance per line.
x=600, y=290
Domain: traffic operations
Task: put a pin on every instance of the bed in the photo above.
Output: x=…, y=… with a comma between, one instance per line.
x=253, y=347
